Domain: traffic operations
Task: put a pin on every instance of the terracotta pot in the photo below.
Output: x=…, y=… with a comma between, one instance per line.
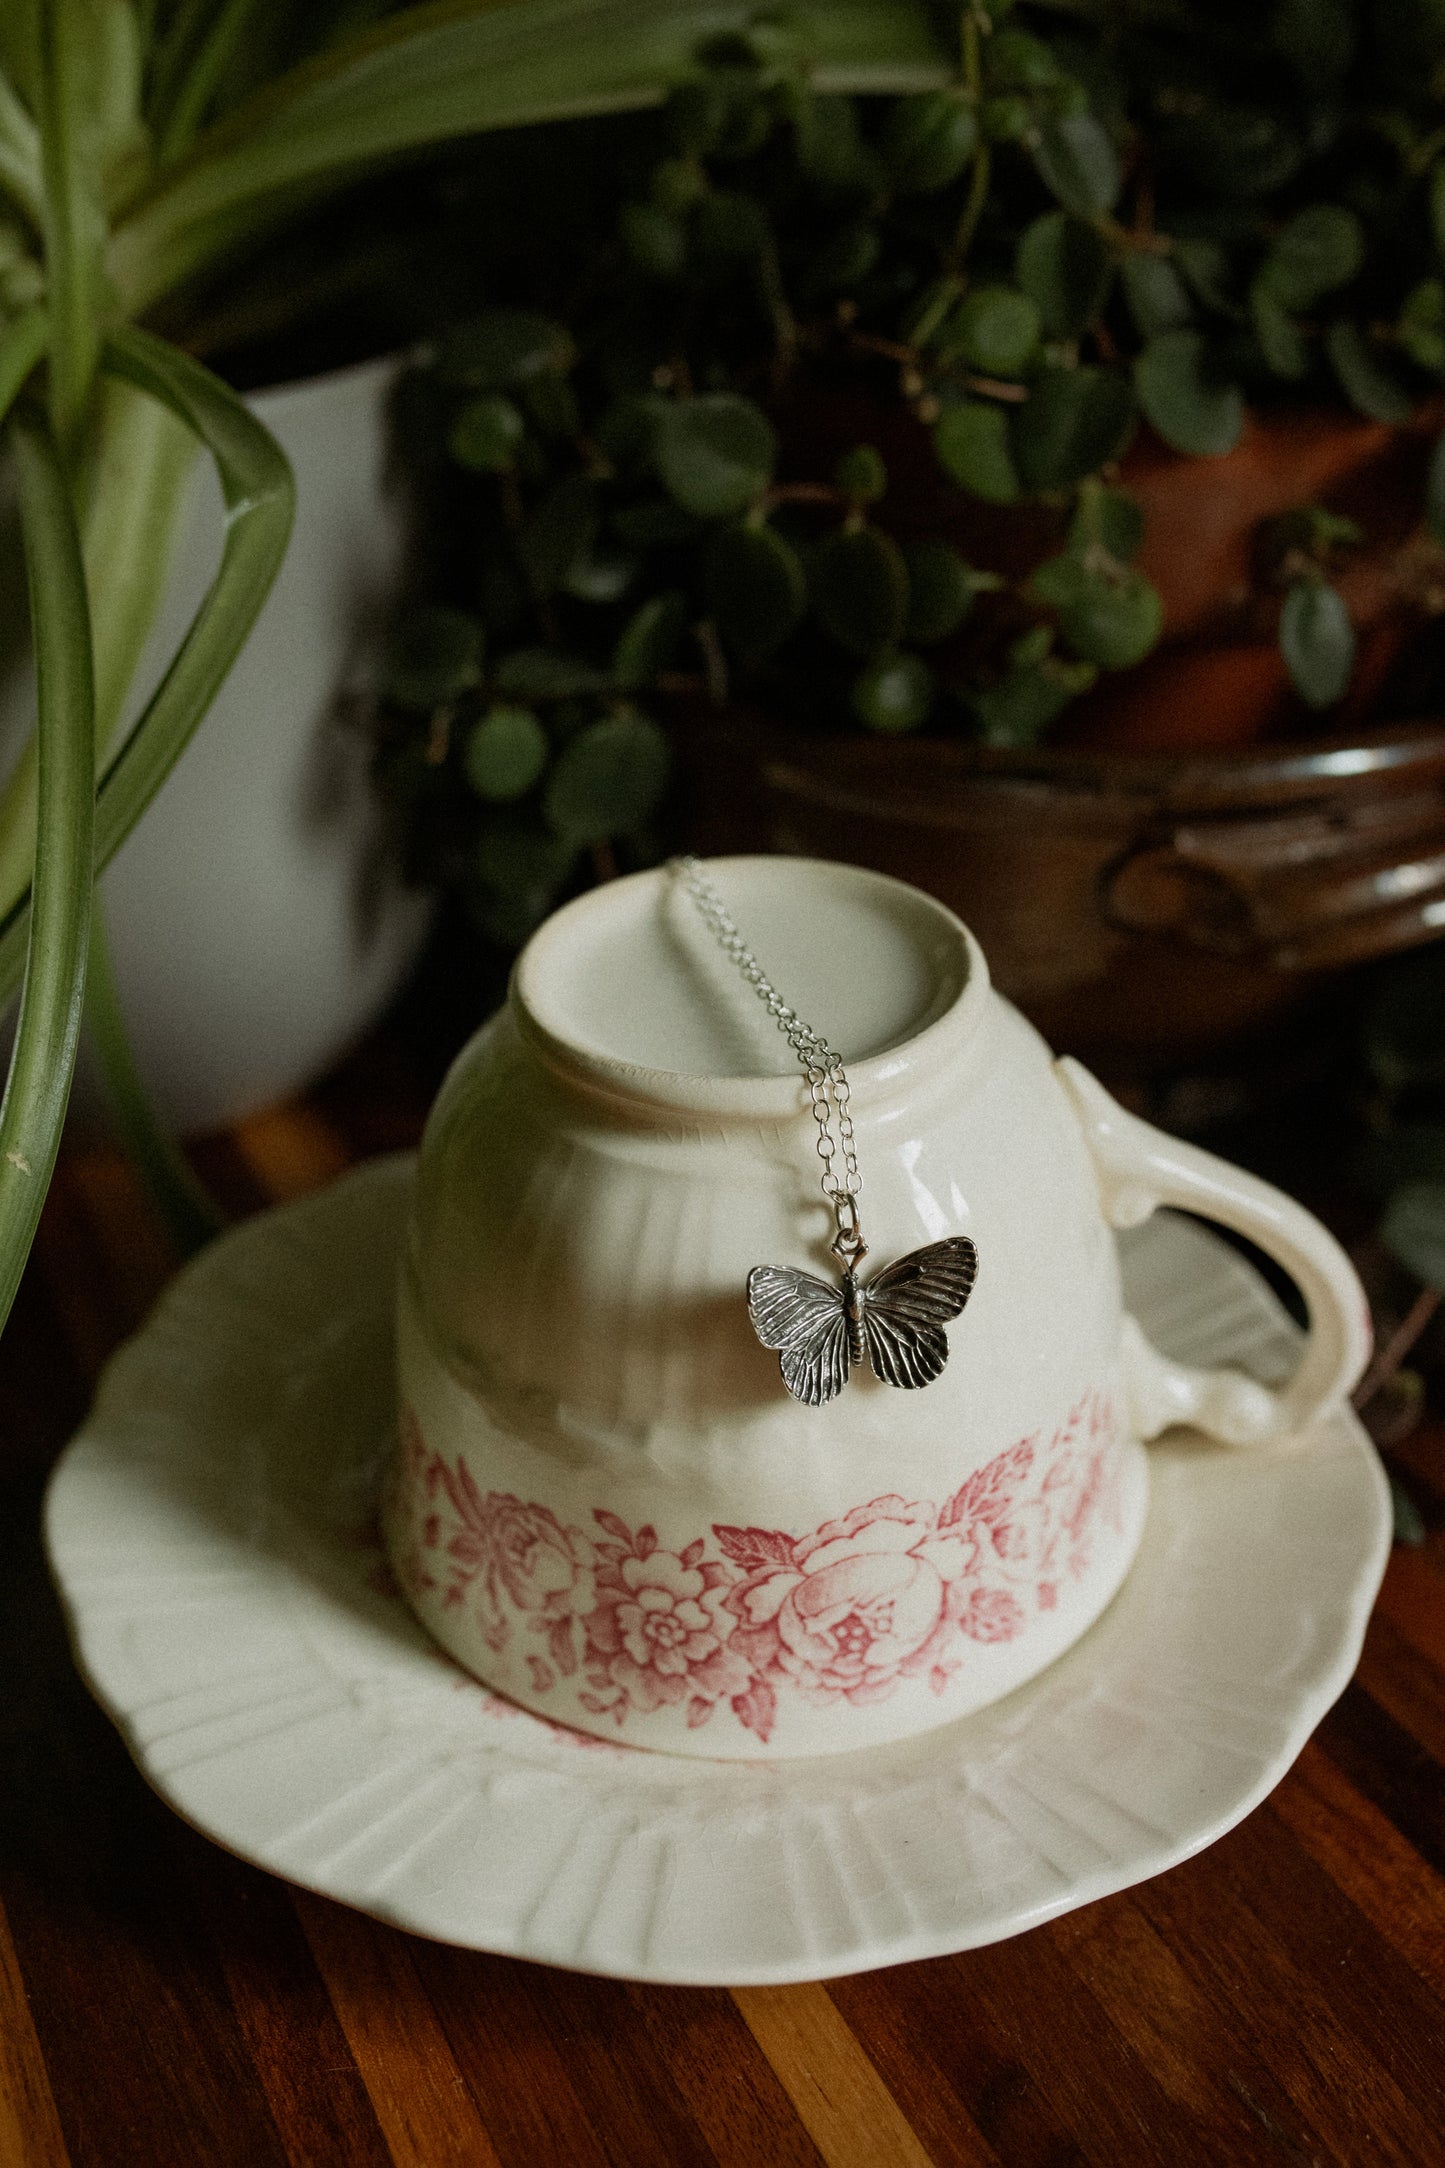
x=1217, y=677
x=1143, y=911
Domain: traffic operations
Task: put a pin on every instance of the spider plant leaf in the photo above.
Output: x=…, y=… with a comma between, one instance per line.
x=457, y=67
x=43, y=1061
x=259, y=495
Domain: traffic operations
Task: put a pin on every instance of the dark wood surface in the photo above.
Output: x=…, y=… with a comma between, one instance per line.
x=1279, y=1999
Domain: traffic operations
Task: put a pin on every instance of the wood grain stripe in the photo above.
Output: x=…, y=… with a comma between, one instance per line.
x=841, y=2101
x=30, y=2134
x=426, y=2114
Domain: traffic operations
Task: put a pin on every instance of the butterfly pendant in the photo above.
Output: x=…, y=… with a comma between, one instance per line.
x=897, y=1320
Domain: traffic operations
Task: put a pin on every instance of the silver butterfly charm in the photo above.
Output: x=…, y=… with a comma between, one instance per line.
x=897, y=1320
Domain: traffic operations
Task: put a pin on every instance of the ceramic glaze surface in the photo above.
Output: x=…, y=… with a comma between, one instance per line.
x=606, y=1504
x=213, y=1530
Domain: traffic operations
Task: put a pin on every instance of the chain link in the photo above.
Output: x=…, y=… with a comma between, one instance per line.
x=827, y=1079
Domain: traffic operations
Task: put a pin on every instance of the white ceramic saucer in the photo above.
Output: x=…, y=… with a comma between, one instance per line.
x=212, y=1530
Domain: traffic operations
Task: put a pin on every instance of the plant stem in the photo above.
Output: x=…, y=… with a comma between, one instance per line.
x=983, y=156
x=1389, y=1358
x=43, y=1061
x=189, y=1215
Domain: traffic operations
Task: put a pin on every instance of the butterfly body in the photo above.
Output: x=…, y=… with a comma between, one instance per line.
x=894, y=1321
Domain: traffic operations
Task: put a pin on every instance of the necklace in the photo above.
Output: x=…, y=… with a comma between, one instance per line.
x=895, y=1320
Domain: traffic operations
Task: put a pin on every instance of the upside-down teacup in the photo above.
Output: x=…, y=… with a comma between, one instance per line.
x=606, y=1505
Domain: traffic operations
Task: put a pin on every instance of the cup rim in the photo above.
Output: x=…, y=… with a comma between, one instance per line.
x=746, y=1098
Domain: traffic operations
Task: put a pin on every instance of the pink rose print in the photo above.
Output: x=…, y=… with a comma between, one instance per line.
x=893, y=1590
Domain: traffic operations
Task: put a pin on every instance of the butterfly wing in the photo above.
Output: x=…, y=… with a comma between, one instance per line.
x=907, y=1305
x=803, y=1319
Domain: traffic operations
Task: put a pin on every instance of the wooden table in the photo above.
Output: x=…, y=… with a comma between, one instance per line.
x=1280, y=1999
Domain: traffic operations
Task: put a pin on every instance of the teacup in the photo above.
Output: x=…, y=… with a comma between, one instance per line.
x=606, y=1504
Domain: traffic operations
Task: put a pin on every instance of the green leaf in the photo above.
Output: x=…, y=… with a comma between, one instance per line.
x=1407, y=1521
x=1112, y=622
x=843, y=261
x=972, y=443
x=859, y=589
x=1076, y=161
x=861, y=475
x=1072, y=423
x=505, y=754
x=73, y=219
x=1281, y=341
x=436, y=656
x=1190, y=406
x=544, y=673
x=1413, y=1230
x=559, y=531
x=1317, y=641
x=603, y=575
x=649, y=641
x=1155, y=294
x=996, y=330
x=522, y=860
x=48, y=1032
x=655, y=240
x=893, y=695
x=1435, y=491
x=1018, y=61
x=1365, y=381
x=715, y=453
x=757, y=590
x=502, y=347
x=1420, y=326
x=927, y=141
x=941, y=588
x=457, y=68
x=1065, y=268
x=831, y=150
x=485, y=435
x=608, y=780
x=1026, y=702
x=1109, y=519
x=1320, y=248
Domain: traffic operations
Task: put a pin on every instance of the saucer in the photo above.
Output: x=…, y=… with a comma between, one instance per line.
x=212, y=1530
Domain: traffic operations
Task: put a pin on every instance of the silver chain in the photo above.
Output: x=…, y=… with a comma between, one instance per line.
x=822, y=1067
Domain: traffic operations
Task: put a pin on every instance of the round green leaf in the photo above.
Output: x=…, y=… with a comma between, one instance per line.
x=972, y=443
x=545, y=673
x=1186, y=402
x=1066, y=270
x=756, y=590
x=1026, y=701
x=648, y=641
x=941, y=589
x=502, y=347
x=676, y=185
x=608, y=780
x=1413, y=1230
x=1017, y=61
x=1155, y=293
x=559, y=531
x=1320, y=248
x=1113, y=623
x=517, y=857
x=894, y=694
x=927, y=141
x=859, y=589
x=602, y=575
x=1421, y=326
x=436, y=656
x=1073, y=422
x=505, y=754
x=715, y=453
x=844, y=260
x=831, y=149
x=1317, y=641
x=1076, y=161
x=655, y=240
x=996, y=330
x=1110, y=518
x=861, y=474
x=1005, y=120
x=486, y=433
x=1365, y=381
x=1281, y=341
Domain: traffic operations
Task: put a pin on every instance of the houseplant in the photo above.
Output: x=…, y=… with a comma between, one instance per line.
x=139, y=144
x=840, y=429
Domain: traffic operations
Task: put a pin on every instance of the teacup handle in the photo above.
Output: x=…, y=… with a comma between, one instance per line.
x=1140, y=1168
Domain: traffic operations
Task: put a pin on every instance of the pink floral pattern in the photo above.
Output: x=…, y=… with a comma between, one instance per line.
x=895, y=1589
